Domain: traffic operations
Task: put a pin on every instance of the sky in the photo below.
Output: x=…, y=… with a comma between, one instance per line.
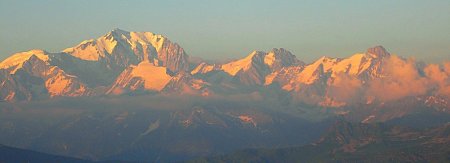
x=233, y=28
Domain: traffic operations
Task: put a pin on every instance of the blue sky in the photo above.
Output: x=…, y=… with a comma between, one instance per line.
x=233, y=28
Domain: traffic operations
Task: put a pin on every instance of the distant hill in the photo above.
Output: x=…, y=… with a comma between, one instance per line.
x=16, y=155
x=357, y=142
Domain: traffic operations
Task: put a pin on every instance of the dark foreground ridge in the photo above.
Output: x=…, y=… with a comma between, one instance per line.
x=10, y=155
x=357, y=142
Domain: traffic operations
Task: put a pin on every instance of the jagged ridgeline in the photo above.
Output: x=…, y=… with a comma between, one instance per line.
x=133, y=63
x=137, y=96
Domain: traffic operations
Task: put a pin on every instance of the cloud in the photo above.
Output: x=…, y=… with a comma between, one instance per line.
x=446, y=66
x=402, y=79
x=439, y=78
x=345, y=88
x=399, y=78
x=436, y=74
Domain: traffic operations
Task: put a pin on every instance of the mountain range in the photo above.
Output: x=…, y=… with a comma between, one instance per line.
x=130, y=63
x=137, y=96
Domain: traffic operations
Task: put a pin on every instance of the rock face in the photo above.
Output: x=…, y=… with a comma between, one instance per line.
x=144, y=76
x=119, y=49
x=253, y=69
x=122, y=62
x=29, y=75
x=185, y=83
x=92, y=66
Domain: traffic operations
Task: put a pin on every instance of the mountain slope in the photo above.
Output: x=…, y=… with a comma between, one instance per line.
x=119, y=49
x=88, y=68
x=347, y=142
x=253, y=69
x=130, y=63
x=144, y=76
x=32, y=76
x=10, y=155
x=152, y=128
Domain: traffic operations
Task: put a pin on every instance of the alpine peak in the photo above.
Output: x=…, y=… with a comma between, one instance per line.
x=19, y=58
x=118, y=30
x=116, y=34
x=119, y=49
x=122, y=62
x=378, y=52
x=279, y=58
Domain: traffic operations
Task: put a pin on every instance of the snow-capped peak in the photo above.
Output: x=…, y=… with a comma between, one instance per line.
x=118, y=31
x=378, y=52
x=279, y=58
x=274, y=60
x=119, y=48
x=18, y=59
x=133, y=61
x=234, y=67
